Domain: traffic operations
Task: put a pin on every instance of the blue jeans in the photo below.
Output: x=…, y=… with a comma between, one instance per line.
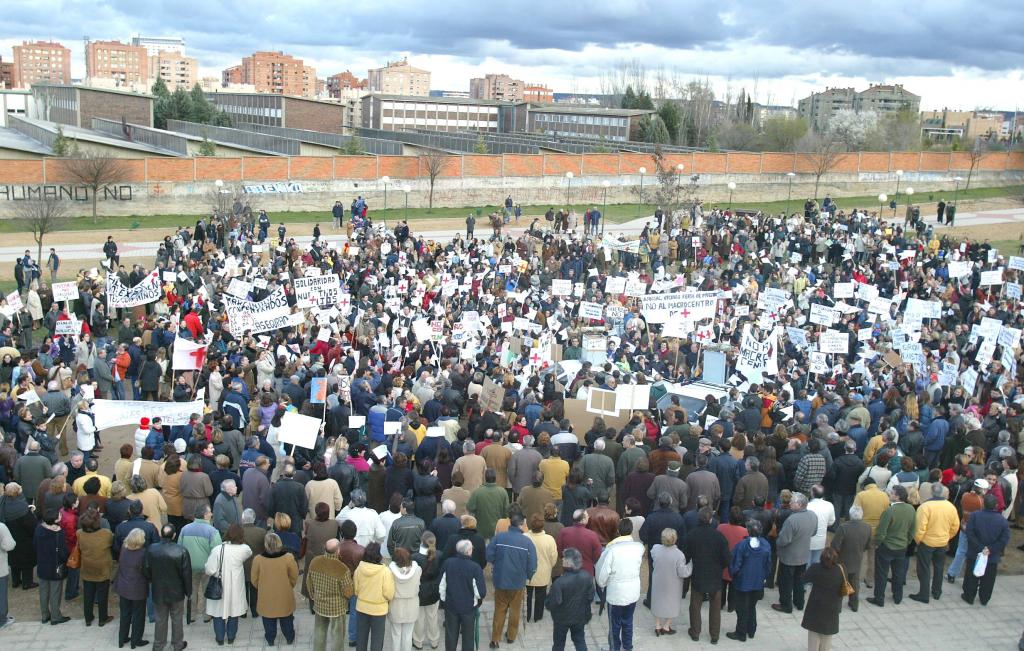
x=814, y=556
x=118, y=389
x=620, y=627
x=352, y=620
x=723, y=509
x=287, y=627
x=222, y=627
x=961, y=556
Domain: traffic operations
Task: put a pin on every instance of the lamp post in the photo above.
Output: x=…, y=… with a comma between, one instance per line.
x=896, y=198
x=605, y=184
x=679, y=173
x=731, y=186
x=910, y=194
x=568, y=190
x=642, y=170
x=221, y=205
x=789, y=196
x=882, y=198
x=956, y=191
x=406, y=189
x=385, y=180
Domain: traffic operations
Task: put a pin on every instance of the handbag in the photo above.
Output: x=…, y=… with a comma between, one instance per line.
x=214, y=586
x=75, y=558
x=60, y=570
x=846, y=589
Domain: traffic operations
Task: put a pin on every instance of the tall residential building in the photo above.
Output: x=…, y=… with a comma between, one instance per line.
x=232, y=75
x=818, y=108
x=538, y=93
x=344, y=81
x=176, y=69
x=497, y=87
x=6, y=74
x=274, y=72
x=156, y=44
x=399, y=78
x=37, y=61
x=126, y=65
x=946, y=125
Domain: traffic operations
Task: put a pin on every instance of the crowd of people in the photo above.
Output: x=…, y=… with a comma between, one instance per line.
x=452, y=465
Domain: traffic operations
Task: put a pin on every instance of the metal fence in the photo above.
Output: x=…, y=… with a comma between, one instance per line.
x=451, y=141
x=229, y=136
x=154, y=137
x=336, y=140
x=43, y=136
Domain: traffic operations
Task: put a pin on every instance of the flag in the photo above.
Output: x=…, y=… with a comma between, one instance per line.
x=188, y=355
x=704, y=335
x=318, y=390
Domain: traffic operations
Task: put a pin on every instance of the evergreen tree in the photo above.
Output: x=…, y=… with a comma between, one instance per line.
x=481, y=145
x=644, y=101
x=61, y=144
x=159, y=89
x=202, y=110
x=207, y=148
x=653, y=130
x=353, y=147
x=669, y=114
x=629, y=98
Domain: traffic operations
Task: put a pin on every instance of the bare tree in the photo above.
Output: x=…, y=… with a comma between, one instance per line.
x=822, y=153
x=40, y=217
x=434, y=162
x=95, y=171
x=976, y=153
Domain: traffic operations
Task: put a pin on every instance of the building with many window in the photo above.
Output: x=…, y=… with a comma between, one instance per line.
x=272, y=110
x=344, y=81
x=818, y=108
x=399, y=78
x=156, y=44
x=76, y=106
x=40, y=61
x=538, y=94
x=404, y=113
x=125, y=66
x=6, y=74
x=969, y=126
x=176, y=69
x=501, y=88
x=573, y=120
x=274, y=72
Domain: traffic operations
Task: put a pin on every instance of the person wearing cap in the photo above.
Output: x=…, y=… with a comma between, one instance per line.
x=671, y=484
x=988, y=533
x=936, y=524
x=970, y=502
x=141, y=434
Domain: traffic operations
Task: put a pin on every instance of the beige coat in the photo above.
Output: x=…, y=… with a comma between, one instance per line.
x=547, y=558
x=405, y=606
x=275, y=577
x=326, y=491
x=154, y=508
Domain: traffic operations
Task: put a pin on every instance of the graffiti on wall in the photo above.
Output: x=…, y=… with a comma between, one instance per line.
x=64, y=192
x=284, y=187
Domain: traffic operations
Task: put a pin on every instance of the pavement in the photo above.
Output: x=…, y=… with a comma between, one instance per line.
x=945, y=624
x=94, y=251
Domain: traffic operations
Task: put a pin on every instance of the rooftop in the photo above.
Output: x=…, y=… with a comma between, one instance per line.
x=11, y=139
x=95, y=89
x=439, y=100
x=594, y=110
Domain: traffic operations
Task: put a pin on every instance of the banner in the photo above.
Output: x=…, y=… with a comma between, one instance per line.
x=320, y=290
x=256, y=323
x=65, y=291
x=234, y=306
x=615, y=244
x=110, y=413
x=145, y=292
x=756, y=359
x=694, y=306
x=188, y=355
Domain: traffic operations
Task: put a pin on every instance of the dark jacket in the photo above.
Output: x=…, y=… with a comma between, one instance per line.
x=514, y=558
x=821, y=614
x=852, y=541
x=149, y=376
x=130, y=582
x=405, y=532
x=459, y=575
x=749, y=567
x=479, y=546
x=659, y=520
x=51, y=551
x=425, y=488
x=444, y=527
x=289, y=496
x=708, y=550
x=125, y=528
x=570, y=598
x=430, y=578
x=168, y=568
x=845, y=471
x=987, y=529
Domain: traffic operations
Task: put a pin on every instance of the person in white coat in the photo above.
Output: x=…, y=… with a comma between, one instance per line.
x=618, y=573
x=7, y=544
x=85, y=424
x=227, y=561
x=34, y=304
x=826, y=513
x=404, y=609
x=369, y=527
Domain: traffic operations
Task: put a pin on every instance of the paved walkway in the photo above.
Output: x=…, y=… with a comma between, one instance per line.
x=945, y=624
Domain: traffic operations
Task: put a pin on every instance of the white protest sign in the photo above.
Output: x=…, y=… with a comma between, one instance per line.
x=67, y=327
x=823, y=314
x=958, y=268
x=632, y=396
x=65, y=291
x=147, y=291
x=658, y=308
x=111, y=413
x=992, y=277
x=561, y=287
x=797, y=336
x=615, y=285
x=756, y=359
x=1012, y=290
x=590, y=310
x=239, y=288
x=835, y=342
x=636, y=288
x=322, y=289
x=842, y=290
x=14, y=300
x=299, y=430
x=1016, y=262
x=818, y=363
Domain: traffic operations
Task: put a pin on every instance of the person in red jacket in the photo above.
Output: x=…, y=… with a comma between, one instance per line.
x=194, y=324
x=582, y=538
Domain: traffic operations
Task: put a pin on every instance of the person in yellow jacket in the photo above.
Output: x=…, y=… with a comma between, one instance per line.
x=375, y=588
x=873, y=502
x=937, y=522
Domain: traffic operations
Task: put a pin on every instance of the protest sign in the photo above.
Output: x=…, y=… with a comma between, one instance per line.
x=147, y=291
x=590, y=310
x=277, y=299
x=324, y=290
x=318, y=390
x=1016, y=262
x=67, y=327
x=491, y=395
x=756, y=359
x=842, y=290
x=835, y=342
x=239, y=288
x=299, y=430
x=659, y=308
x=615, y=285
x=65, y=291
x=992, y=277
x=14, y=300
x=615, y=244
x=818, y=363
x=823, y=314
x=561, y=287
x=111, y=413
x=602, y=402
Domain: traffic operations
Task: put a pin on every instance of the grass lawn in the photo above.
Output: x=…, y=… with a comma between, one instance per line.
x=615, y=213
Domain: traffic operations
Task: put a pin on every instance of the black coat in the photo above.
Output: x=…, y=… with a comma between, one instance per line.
x=479, y=546
x=570, y=598
x=51, y=551
x=821, y=614
x=22, y=529
x=289, y=496
x=397, y=480
x=430, y=579
x=708, y=550
x=444, y=527
x=425, y=489
x=845, y=471
x=659, y=520
x=149, y=376
x=168, y=569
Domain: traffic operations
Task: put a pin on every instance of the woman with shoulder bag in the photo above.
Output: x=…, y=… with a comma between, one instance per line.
x=131, y=587
x=225, y=591
x=828, y=589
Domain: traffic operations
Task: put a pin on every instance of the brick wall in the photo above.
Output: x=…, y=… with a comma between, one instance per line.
x=315, y=116
x=135, y=109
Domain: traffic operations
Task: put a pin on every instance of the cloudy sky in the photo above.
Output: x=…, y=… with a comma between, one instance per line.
x=958, y=54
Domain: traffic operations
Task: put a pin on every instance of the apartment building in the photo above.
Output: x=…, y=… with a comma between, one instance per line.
x=273, y=72
x=818, y=108
x=399, y=78
x=946, y=125
x=501, y=88
x=40, y=61
x=176, y=69
x=538, y=94
x=154, y=45
x=344, y=81
x=126, y=66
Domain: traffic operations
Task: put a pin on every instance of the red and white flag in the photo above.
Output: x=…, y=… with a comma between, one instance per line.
x=188, y=355
x=704, y=335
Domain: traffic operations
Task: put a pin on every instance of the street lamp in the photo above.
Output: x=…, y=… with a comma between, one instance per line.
x=385, y=180
x=679, y=173
x=568, y=189
x=896, y=198
x=406, y=189
x=882, y=198
x=789, y=196
x=642, y=170
x=956, y=193
x=219, y=184
x=731, y=186
x=605, y=184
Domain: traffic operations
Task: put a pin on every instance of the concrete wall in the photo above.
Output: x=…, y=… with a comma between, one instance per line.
x=299, y=183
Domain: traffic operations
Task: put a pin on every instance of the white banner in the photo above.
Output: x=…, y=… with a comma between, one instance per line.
x=695, y=306
x=65, y=291
x=255, y=323
x=615, y=244
x=110, y=413
x=234, y=306
x=835, y=342
x=145, y=292
x=756, y=359
x=323, y=290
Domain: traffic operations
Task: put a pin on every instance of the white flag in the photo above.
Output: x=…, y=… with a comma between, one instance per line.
x=188, y=355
